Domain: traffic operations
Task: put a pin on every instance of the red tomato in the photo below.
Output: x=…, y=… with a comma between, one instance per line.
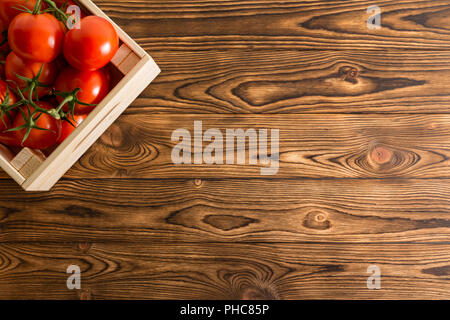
x=8, y=138
x=29, y=69
x=94, y=87
x=92, y=45
x=5, y=121
x=67, y=128
x=36, y=37
x=39, y=139
x=8, y=9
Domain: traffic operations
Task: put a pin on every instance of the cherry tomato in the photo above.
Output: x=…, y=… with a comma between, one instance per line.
x=36, y=37
x=29, y=69
x=39, y=139
x=10, y=139
x=67, y=128
x=8, y=9
x=94, y=87
x=6, y=122
x=92, y=45
x=8, y=116
x=4, y=89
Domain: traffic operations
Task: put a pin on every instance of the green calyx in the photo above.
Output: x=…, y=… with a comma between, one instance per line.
x=71, y=99
x=31, y=118
x=57, y=12
x=30, y=123
x=32, y=84
x=37, y=7
x=5, y=108
x=52, y=8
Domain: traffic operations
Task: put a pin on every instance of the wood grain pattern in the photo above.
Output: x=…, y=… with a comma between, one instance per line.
x=313, y=146
x=225, y=271
x=253, y=210
x=287, y=81
x=289, y=24
x=364, y=162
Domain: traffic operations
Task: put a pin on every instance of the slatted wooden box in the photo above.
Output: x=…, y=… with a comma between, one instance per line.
x=136, y=69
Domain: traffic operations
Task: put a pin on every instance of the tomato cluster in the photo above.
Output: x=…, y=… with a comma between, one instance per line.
x=52, y=70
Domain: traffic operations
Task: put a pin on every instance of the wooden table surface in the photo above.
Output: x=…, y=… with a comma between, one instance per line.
x=364, y=162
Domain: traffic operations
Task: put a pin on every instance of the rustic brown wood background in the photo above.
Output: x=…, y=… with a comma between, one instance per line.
x=364, y=162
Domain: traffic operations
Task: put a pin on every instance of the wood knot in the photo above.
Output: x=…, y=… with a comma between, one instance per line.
x=198, y=182
x=113, y=137
x=349, y=74
x=84, y=246
x=387, y=160
x=440, y=271
x=317, y=220
x=320, y=217
x=85, y=294
x=380, y=155
x=228, y=222
x=260, y=292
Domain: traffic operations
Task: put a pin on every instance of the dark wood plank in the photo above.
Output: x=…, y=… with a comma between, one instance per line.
x=313, y=146
x=271, y=81
x=289, y=24
x=151, y=211
x=353, y=190
x=225, y=271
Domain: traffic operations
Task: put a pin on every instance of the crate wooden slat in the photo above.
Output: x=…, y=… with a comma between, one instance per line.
x=6, y=156
x=35, y=173
x=27, y=161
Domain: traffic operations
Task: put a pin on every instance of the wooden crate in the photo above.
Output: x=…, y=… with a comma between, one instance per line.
x=32, y=170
